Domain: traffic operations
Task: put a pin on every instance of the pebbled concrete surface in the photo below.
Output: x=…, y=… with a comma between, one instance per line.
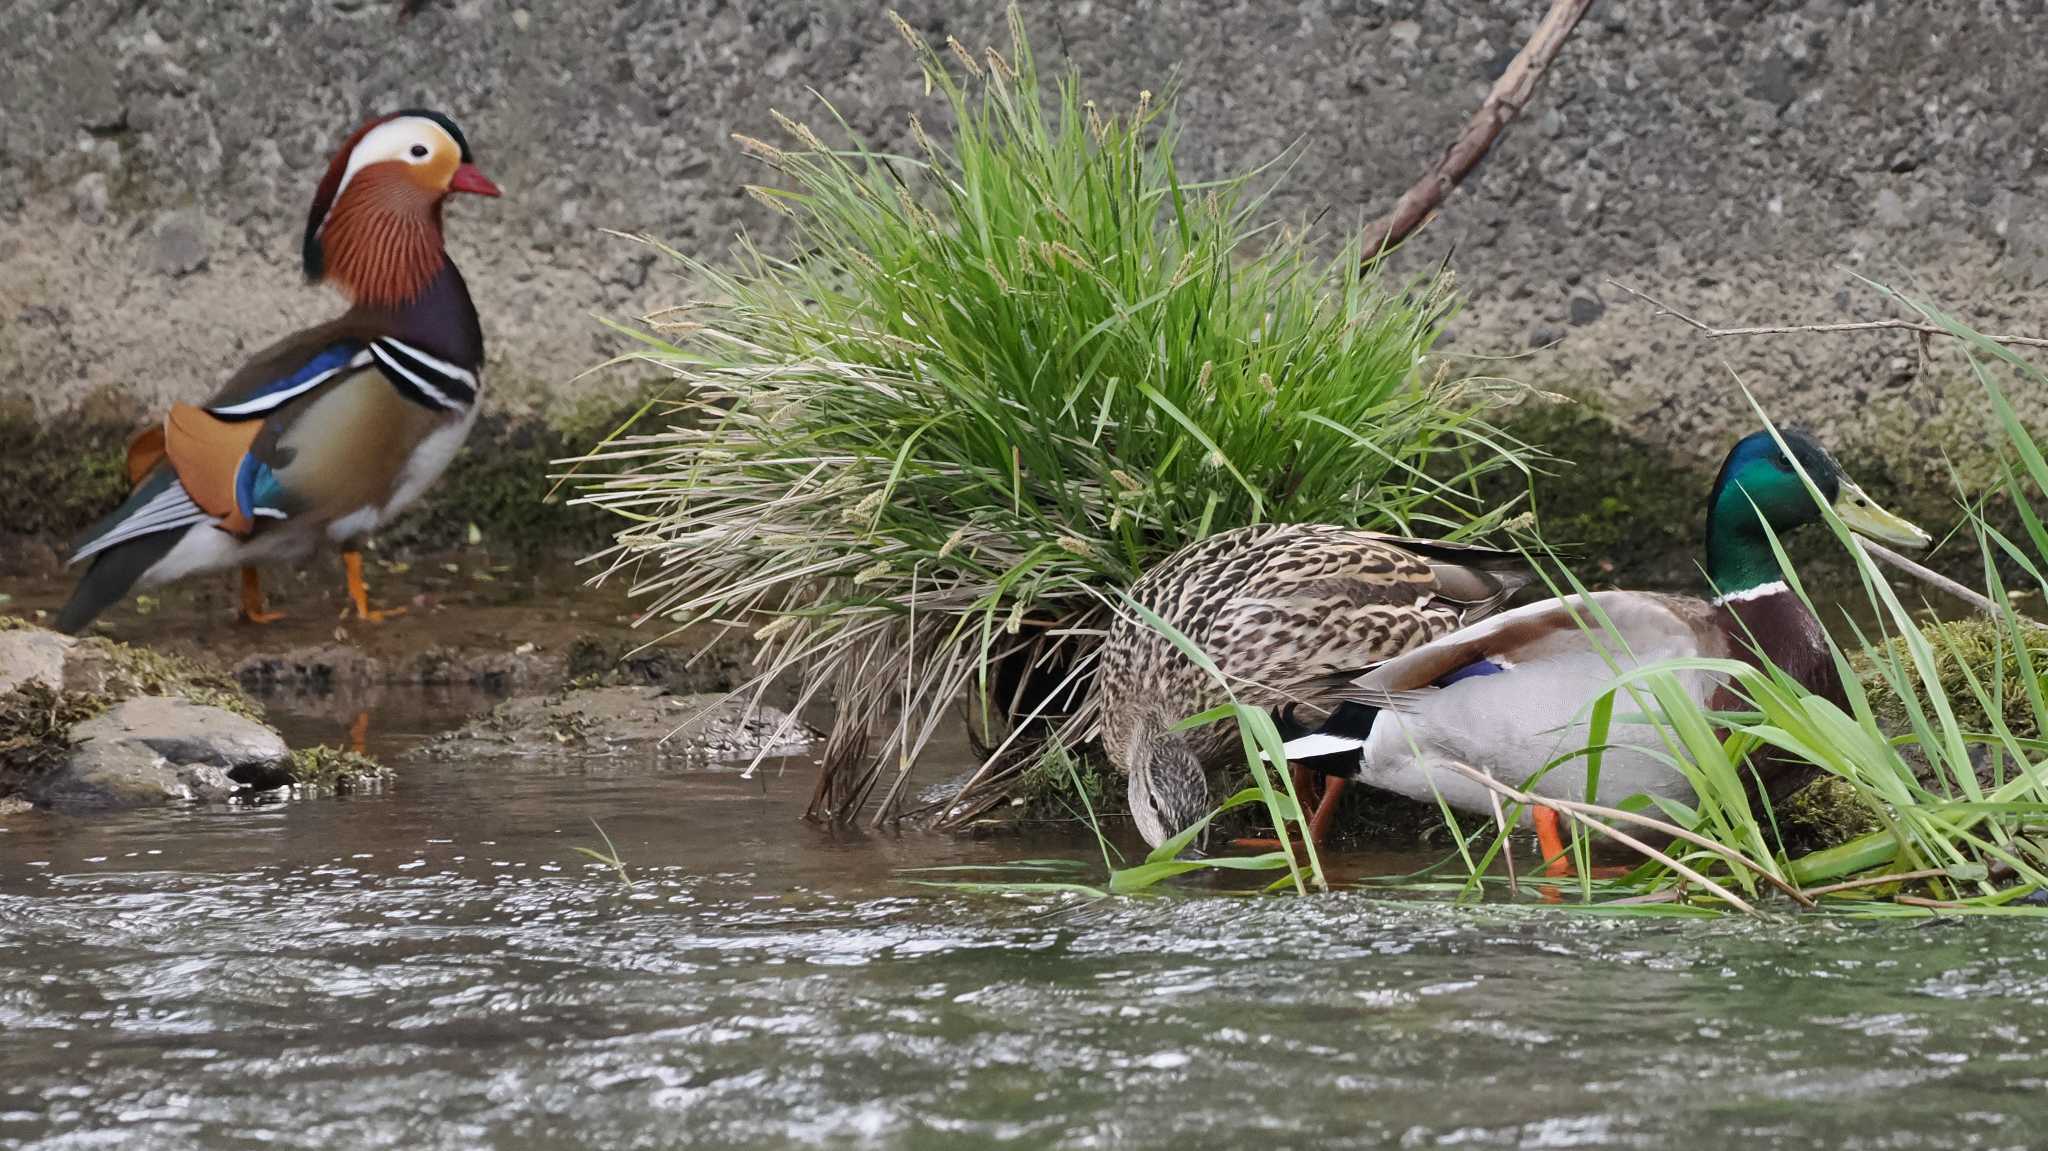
x=1738, y=157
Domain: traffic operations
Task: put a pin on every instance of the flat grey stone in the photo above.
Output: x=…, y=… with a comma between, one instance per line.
x=152, y=750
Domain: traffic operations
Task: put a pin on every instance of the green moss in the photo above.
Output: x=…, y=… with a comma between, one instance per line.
x=334, y=771
x=1825, y=813
x=1054, y=782
x=58, y=476
x=35, y=729
x=1977, y=647
x=120, y=671
x=1620, y=510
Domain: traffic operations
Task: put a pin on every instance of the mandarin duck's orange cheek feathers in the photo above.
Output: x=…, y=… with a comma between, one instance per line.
x=420, y=151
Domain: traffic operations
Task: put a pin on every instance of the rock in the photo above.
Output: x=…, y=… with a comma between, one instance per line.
x=32, y=654
x=181, y=246
x=621, y=720
x=153, y=750
x=89, y=197
x=1585, y=308
x=14, y=805
x=1889, y=211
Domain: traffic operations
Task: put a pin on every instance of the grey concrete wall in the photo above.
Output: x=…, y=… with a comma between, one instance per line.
x=1735, y=156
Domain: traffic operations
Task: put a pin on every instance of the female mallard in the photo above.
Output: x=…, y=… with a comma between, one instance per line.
x=1513, y=693
x=1280, y=609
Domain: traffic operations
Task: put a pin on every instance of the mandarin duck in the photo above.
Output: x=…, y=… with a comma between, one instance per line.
x=1279, y=608
x=328, y=433
x=1513, y=694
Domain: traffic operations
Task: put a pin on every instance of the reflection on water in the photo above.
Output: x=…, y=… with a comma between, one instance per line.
x=435, y=967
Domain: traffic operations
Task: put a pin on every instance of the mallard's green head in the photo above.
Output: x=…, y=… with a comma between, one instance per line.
x=1758, y=485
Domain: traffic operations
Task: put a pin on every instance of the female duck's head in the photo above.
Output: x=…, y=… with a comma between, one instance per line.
x=1759, y=485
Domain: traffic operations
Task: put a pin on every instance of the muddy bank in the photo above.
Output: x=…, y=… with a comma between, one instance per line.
x=609, y=721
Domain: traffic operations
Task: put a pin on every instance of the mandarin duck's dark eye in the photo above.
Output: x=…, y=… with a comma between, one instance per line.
x=419, y=151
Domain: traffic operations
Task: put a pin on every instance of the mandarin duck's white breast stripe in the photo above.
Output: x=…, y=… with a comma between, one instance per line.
x=422, y=378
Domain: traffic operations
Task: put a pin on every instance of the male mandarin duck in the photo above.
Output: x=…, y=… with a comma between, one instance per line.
x=1279, y=608
x=1513, y=693
x=331, y=432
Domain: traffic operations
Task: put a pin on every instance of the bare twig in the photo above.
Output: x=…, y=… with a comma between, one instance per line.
x=1890, y=325
x=1963, y=592
x=1934, y=904
x=1876, y=881
x=1508, y=96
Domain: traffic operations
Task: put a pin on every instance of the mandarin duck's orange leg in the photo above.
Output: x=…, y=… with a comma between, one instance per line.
x=359, y=592
x=1319, y=820
x=359, y=733
x=252, y=599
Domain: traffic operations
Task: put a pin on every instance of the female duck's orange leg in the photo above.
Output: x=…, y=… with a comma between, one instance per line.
x=352, y=563
x=252, y=599
x=1319, y=820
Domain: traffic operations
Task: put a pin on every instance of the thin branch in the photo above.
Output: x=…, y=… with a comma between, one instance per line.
x=1509, y=95
x=1963, y=592
x=1915, y=326
x=1876, y=881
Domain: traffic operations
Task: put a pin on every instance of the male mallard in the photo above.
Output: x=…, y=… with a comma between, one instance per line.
x=1279, y=608
x=1510, y=694
x=330, y=432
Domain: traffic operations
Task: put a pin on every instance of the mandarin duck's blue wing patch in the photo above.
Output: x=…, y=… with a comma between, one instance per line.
x=330, y=362
x=257, y=491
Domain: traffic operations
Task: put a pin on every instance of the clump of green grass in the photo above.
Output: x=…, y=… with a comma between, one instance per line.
x=990, y=382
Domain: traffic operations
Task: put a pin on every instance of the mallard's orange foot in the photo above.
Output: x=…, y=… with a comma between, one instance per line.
x=252, y=599
x=359, y=733
x=359, y=592
x=1318, y=821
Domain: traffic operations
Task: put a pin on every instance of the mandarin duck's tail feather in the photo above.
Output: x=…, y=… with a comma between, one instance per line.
x=147, y=525
x=112, y=573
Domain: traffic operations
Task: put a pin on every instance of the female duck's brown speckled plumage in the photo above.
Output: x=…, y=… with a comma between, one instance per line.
x=1280, y=608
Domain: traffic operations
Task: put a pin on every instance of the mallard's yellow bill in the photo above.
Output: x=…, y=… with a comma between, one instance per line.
x=1865, y=518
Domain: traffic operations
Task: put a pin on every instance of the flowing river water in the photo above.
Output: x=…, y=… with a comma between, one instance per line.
x=436, y=966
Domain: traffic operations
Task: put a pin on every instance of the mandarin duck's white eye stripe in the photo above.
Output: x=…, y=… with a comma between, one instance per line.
x=420, y=383
x=317, y=371
x=411, y=139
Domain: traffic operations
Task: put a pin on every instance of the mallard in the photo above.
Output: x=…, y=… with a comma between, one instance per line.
x=1510, y=694
x=328, y=433
x=1279, y=608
